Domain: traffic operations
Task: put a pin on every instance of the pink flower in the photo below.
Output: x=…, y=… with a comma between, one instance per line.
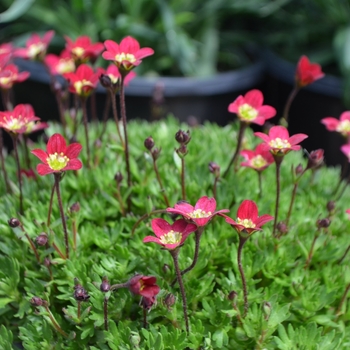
x=342, y=125
x=259, y=159
x=279, y=141
x=83, y=50
x=306, y=72
x=348, y=212
x=127, y=55
x=248, y=221
x=19, y=120
x=36, y=46
x=201, y=213
x=59, y=65
x=9, y=75
x=144, y=285
x=58, y=157
x=315, y=159
x=83, y=81
x=170, y=236
x=250, y=108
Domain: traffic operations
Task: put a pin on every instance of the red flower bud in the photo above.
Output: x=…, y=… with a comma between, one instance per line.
x=183, y=137
x=149, y=143
x=41, y=239
x=14, y=222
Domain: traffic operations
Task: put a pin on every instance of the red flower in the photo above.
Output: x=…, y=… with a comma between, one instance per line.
x=248, y=220
x=144, y=285
x=315, y=159
x=306, y=72
x=9, y=75
x=59, y=65
x=58, y=156
x=127, y=55
x=170, y=236
x=36, y=46
x=201, y=213
x=30, y=174
x=250, y=108
x=342, y=125
x=6, y=51
x=279, y=141
x=82, y=50
x=83, y=81
x=19, y=120
x=259, y=159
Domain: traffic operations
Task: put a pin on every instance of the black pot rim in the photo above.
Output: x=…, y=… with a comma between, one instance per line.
x=220, y=83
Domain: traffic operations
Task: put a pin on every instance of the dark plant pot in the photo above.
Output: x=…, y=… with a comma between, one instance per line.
x=318, y=100
x=153, y=97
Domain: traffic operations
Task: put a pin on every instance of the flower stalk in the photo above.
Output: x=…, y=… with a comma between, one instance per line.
x=19, y=175
x=85, y=121
x=278, y=161
x=242, y=241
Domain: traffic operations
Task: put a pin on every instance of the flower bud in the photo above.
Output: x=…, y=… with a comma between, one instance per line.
x=299, y=169
x=315, y=159
x=118, y=177
x=149, y=143
x=166, y=268
x=80, y=294
x=232, y=295
x=182, y=150
x=169, y=300
x=41, y=239
x=156, y=152
x=36, y=301
x=14, y=222
x=214, y=169
x=330, y=206
x=323, y=223
x=75, y=207
x=105, y=81
x=105, y=286
x=147, y=302
x=47, y=262
x=266, y=309
x=183, y=137
x=282, y=228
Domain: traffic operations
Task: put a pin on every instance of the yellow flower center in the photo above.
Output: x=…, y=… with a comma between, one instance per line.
x=125, y=57
x=57, y=161
x=78, y=85
x=78, y=51
x=279, y=143
x=199, y=213
x=171, y=237
x=5, y=80
x=35, y=49
x=248, y=223
x=344, y=127
x=14, y=123
x=258, y=161
x=65, y=66
x=247, y=112
x=113, y=78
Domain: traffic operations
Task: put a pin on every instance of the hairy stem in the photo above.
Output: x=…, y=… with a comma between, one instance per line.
x=3, y=167
x=85, y=120
x=278, y=161
x=344, y=255
x=242, y=240
x=55, y=324
x=309, y=257
x=260, y=184
x=115, y=115
x=183, y=188
x=105, y=312
x=105, y=114
x=288, y=104
x=155, y=167
x=175, y=255
x=50, y=204
x=19, y=175
x=342, y=301
x=234, y=159
x=144, y=217
x=119, y=285
x=63, y=218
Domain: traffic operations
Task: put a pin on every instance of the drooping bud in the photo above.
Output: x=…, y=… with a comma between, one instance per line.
x=106, y=81
x=147, y=303
x=47, y=262
x=41, y=239
x=75, y=207
x=105, y=286
x=232, y=295
x=183, y=137
x=14, y=222
x=331, y=206
x=214, y=169
x=149, y=143
x=299, y=169
x=323, y=223
x=282, y=228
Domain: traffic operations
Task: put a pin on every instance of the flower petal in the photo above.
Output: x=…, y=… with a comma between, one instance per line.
x=112, y=47
x=73, y=164
x=267, y=112
x=144, y=52
x=129, y=45
x=279, y=132
x=330, y=123
x=345, y=116
x=248, y=210
x=56, y=143
x=160, y=227
x=150, y=291
x=263, y=219
x=153, y=239
x=233, y=107
x=206, y=204
x=42, y=155
x=73, y=150
x=44, y=169
x=263, y=136
x=254, y=98
x=297, y=138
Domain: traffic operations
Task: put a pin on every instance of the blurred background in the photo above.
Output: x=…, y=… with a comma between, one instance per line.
x=218, y=48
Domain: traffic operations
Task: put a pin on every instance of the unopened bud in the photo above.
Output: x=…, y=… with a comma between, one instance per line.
x=183, y=137
x=182, y=150
x=315, y=159
x=149, y=143
x=105, y=81
x=282, y=228
x=156, y=152
x=105, y=286
x=323, y=223
x=266, y=309
x=299, y=169
x=80, y=294
x=214, y=169
x=166, y=268
x=75, y=207
x=330, y=206
x=232, y=295
x=47, y=262
x=36, y=301
x=98, y=143
x=14, y=222
x=169, y=300
x=41, y=239
x=118, y=177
